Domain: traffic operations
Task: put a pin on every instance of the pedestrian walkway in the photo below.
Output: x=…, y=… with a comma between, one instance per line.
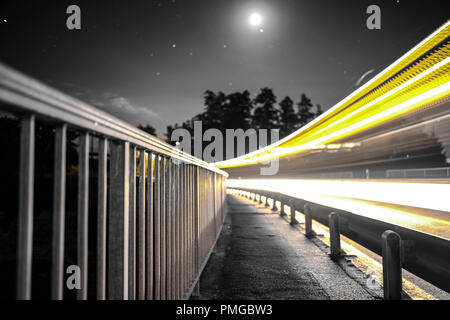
x=259, y=255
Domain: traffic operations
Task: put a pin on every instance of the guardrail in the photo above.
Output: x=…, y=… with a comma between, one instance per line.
x=155, y=228
x=422, y=254
x=419, y=173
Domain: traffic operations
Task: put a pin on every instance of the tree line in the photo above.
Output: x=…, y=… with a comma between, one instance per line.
x=238, y=110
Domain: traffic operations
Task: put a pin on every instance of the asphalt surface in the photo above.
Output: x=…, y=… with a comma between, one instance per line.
x=259, y=255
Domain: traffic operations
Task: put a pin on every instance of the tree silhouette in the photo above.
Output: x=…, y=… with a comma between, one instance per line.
x=238, y=111
x=318, y=110
x=288, y=118
x=214, y=109
x=304, y=110
x=266, y=116
x=148, y=128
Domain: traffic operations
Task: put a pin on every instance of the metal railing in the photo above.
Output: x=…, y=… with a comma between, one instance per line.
x=156, y=226
x=419, y=173
x=425, y=255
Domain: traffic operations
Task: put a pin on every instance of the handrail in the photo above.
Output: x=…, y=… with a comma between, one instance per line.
x=425, y=255
x=32, y=96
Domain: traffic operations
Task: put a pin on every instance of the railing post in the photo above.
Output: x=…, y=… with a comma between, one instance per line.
x=141, y=229
x=293, y=220
x=392, y=269
x=274, y=204
x=260, y=199
x=308, y=220
x=157, y=201
x=196, y=291
x=25, y=216
x=282, y=203
x=169, y=216
x=102, y=218
x=266, y=200
x=83, y=215
x=335, y=236
x=59, y=212
x=118, y=221
x=162, y=212
x=150, y=228
x=133, y=222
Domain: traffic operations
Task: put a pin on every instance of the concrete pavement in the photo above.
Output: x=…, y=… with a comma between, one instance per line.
x=259, y=255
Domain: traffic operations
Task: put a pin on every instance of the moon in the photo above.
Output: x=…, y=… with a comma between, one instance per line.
x=255, y=19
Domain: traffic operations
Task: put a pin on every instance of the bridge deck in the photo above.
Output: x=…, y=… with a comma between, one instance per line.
x=259, y=255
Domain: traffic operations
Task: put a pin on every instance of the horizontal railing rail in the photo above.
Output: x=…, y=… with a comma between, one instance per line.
x=29, y=96
x=425, y=255
x=158, y=210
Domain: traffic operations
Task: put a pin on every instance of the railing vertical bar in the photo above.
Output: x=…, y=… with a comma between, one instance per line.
x=182, y=230
x=141, y=229
x=188, y=223
x=101, y=218
x=191, y=224
x=178, y=232
x=213, y=193
x=118, y=221
x=25, y=219
x=163, y=227
x=174, y=229
x=157, y=199
x=175, y=232
x=59, y=212
x=59, y=191
x=168, y=213
x=185, y=228
x=169, y=231
x=83, y=201
x=197, y=207
x=150, y=230
x=132, y=226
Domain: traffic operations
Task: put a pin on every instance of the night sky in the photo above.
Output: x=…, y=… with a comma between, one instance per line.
x=151, y=61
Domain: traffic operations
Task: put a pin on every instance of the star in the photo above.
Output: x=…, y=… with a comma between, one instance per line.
x=4, y=20
x=191, y=53
x=174, y=45
x=225, y=46
x=261, y=30
x=158, y=74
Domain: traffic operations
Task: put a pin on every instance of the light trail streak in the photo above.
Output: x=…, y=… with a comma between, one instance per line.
x=415, y=80
x=432, y=196
x=404, y=107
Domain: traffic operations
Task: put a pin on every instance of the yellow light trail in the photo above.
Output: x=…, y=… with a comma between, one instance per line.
x=417, y=79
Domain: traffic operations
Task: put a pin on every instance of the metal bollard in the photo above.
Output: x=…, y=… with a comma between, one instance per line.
x=274, y=205
x=266, y=201
x=335, y=236
x=293, y=220
x=260, y=199
x=282, y=202
x=392, y=268
x=308, y=220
